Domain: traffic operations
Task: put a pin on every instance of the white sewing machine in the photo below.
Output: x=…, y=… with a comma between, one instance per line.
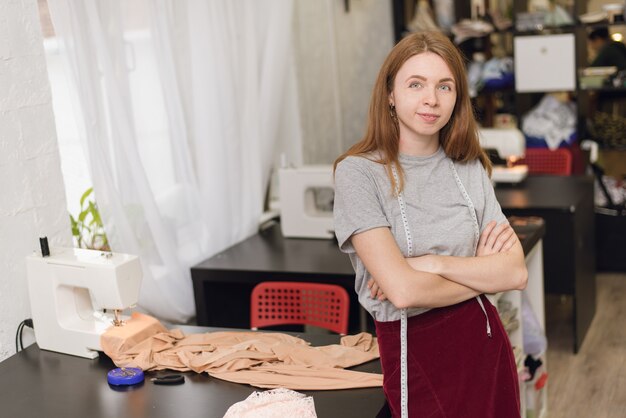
x=69, y=292
x=306, y=201
x=510, y=145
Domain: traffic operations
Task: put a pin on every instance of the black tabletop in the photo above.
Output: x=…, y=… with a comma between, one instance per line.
x=529, y=230
x=545, y=192
x=39, y=383
x=270, y=251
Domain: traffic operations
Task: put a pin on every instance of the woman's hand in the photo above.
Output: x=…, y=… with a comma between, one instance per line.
x=496, y=238
x=375, y=291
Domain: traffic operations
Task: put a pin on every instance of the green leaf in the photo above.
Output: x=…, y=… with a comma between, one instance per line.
x=87, y=227
x=74, y=224
x=91, y=209
x=83, y=215
x=95, y=214
x=84, y=196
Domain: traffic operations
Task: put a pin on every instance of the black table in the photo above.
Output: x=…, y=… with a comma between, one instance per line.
x=223, y=283
x=226, y=280
x=567, y=206
x=39, y=383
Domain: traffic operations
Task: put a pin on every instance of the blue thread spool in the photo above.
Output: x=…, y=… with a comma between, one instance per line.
x=125, y=376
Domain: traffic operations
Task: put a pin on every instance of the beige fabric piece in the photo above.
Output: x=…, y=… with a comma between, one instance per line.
x=302, y=378
x=267, y=360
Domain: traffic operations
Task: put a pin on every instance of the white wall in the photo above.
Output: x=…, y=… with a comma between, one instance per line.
x=32, y=201
x=338, y=55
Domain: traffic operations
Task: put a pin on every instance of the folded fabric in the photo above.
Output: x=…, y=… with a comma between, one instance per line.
x=466, y=29
x=261, y=359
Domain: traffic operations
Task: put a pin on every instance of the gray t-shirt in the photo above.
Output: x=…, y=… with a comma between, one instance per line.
x=439, y=217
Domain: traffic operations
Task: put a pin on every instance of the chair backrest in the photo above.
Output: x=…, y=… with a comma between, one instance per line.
x=317, y=304
x=547, y=161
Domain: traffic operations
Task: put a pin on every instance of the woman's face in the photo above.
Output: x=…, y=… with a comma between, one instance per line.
x=424, y=95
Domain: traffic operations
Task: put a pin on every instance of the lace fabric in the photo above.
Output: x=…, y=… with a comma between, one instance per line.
x=275, y=403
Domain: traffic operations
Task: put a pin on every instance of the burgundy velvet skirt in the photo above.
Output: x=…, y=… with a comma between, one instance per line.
x=454, y=368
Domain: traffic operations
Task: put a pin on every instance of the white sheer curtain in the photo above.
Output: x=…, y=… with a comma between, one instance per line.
x=214, y=75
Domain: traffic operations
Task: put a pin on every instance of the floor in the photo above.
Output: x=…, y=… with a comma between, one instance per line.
x=591, y=383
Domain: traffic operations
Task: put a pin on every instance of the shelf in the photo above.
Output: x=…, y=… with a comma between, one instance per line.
x=567, y=28
x=542, y=92
x=489, y=90
x=510, y=30
x=550, y=30
x=605, y=89
x=547, y=30
x=601, y=24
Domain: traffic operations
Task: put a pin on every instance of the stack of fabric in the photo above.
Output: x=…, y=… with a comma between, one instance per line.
x=552, y=123
x=495, y=74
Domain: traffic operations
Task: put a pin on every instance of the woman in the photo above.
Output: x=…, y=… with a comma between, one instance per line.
x=416, y=211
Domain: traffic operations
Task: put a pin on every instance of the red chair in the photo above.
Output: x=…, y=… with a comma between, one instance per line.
x=317, y=304
x=546, y=161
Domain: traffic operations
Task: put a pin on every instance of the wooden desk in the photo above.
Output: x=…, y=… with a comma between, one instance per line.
x=226, y=280
x=38, y=383
x=566, y=204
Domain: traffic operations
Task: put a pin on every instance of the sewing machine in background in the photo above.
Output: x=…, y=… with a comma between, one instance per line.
x=505, y=147
x=73, y=292
x=306, y=201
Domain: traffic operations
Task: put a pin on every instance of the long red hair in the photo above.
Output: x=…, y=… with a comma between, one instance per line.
x=458, y=138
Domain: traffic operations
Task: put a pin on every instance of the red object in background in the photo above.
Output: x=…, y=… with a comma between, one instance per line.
x=541, y=382
x=547, y=161
x=282, y=303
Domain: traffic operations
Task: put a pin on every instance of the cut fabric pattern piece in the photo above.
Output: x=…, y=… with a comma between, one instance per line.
x=276, y=403
x=267, y=360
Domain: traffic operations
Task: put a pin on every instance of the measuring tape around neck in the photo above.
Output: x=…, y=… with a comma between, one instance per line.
x=404, y=385
x=404, y=407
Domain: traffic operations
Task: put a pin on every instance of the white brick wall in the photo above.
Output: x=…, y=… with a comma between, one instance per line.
x=32, y=195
